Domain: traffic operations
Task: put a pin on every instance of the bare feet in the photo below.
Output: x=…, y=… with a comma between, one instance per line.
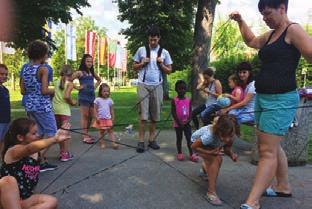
x=115, y=146
x=103, y=146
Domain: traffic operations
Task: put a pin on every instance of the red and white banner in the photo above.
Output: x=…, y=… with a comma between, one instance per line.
x=90, y=38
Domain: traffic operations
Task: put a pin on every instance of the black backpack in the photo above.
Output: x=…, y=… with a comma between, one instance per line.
x=148, y=55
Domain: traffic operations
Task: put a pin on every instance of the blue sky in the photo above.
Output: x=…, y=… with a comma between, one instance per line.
x=105, y=13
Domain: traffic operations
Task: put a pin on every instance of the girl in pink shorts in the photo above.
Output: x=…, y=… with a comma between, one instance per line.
x=104, y=114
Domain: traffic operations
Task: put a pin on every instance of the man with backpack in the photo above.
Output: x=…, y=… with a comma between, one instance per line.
x=151, y=62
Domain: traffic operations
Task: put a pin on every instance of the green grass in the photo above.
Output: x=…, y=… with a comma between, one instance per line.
x=126, y=97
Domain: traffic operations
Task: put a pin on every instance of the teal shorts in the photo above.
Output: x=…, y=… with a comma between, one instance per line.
x=274, y=113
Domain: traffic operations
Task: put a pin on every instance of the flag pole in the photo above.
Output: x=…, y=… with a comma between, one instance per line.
x=65, y=48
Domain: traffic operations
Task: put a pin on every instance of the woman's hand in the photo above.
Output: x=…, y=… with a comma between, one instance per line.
x=236, y=16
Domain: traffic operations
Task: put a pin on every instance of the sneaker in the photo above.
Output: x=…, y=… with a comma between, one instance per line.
x=45, y=166
x=140, y=148
x=180, y=156
x=66, y=156
x=194, y=158
x=153, y=145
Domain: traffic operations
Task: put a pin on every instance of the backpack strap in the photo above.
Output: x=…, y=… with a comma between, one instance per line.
x=148, y=55
x=161, y=74
x=148, y=51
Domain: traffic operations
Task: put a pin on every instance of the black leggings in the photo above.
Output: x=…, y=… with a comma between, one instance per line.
x=187, y=129
x=196, y=112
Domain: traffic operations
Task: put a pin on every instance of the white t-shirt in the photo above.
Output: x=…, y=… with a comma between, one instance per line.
x=104, y=107
x=153, y=75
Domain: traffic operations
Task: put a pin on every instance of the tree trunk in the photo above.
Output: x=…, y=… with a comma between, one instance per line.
x=202, y=41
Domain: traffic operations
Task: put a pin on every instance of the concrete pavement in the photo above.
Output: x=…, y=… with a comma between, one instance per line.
x=123, y=179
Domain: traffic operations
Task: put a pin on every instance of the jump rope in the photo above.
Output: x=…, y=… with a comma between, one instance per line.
x=76, y=130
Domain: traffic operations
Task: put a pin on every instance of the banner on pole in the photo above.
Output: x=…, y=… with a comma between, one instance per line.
x=90, y=38
x=119, y=56
x=71, y=42
x=124, y=60
x=112, y=47
x=103, y=50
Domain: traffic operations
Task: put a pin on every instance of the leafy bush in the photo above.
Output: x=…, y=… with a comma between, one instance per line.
x=227, y=66
x=184, y=75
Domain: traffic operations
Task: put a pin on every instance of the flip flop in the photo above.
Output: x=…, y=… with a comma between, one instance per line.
x=88, y=141
x=269, y=192
x=213, y=199
x=246, y=206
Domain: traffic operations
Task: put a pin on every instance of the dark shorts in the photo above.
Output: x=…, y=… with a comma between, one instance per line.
x=46, y=123
x=86, y=103
x=3, y=129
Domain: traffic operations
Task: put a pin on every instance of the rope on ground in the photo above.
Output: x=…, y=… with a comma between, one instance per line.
x=71, y=165
x=63, y=189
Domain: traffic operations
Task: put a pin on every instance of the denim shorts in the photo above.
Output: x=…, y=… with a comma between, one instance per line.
x=3, y=129
x=243, y=115
x=279, y=112
x=46, y=123
x=86, y=103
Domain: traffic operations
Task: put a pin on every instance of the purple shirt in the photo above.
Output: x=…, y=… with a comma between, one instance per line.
x=104, y=107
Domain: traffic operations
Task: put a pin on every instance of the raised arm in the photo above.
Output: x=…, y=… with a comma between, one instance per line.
x=18, y=152
x=249, y=37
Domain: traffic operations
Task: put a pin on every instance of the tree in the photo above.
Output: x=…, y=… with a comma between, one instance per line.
x=202, y=41
x=175, y=19
x=227, y=40
x=14, y=62
x=32, y=15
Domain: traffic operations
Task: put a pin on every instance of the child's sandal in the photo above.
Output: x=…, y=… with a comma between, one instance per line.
x=88, y=140
x=214, y=199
